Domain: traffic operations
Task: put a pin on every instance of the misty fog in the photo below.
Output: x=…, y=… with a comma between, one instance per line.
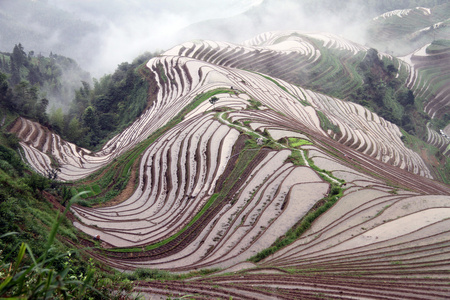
x=101, y=34
x=125, y=29
x=109, y=32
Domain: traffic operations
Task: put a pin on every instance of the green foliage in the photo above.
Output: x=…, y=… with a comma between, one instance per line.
x=303, y=225
x=94, y=114
x=384, y=93
x=441, y=170
x=57, y=119
x=326, y=124
x=10, y=157
x=254, y=104
x=296, y=142
x=117, y=174
x=213, y=100
x=36, y=277
x=53, y=274
x=23, y=99
x=438, y=45
x=296, y=158
x=162, y=73
x=56, y=76
x=440, y=123
x=150, y=274
x=107, y=108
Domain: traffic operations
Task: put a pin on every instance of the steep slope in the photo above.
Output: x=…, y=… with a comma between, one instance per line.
x=320, y=61
x=181, y=79
x=243, y=176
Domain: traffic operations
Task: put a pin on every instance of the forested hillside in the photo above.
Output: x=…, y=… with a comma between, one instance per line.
x=55, y=92
x=54, y=77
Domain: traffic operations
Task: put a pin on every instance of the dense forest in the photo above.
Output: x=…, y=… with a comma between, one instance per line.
x=385, y=94
x=94, y=112
x=55, y=76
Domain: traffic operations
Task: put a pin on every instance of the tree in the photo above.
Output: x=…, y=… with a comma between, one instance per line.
x=74, y=131
x=25, y=99
x=406, y=98
x=90, y=119
x=41, y=110
x=57, y=119
x=15, y=71
x=5, y=65
x=213, y=100
x=19, y=56
x=5, y=92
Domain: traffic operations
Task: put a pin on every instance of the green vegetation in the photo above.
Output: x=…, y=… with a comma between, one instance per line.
x=23, y=208
x=162, y=73
x=94, y=115
x=294, y=233
x=296, y=158
x=37, y=259
x=438, y=45
x=106, y=109
x=254, y=104
x=23, y=99
x=326, y=124
x=56, y=273
x=296, y=142
x=246, y=156
x=213, y=100
x=37, y=278
x=54, y=77
x=440, y=165
x=384, y=93
x=112, y=179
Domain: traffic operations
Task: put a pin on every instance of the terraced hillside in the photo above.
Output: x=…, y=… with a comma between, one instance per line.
x=289, y=192
x=322, y=62
x=429, y=79
x=405, y=30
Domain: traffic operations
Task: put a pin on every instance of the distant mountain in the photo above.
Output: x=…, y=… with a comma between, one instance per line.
x=95, y=33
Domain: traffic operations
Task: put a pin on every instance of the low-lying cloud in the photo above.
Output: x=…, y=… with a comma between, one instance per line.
x=129, y=28
x=100, y=34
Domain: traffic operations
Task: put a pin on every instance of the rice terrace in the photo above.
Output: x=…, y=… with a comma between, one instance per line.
x=269, y=169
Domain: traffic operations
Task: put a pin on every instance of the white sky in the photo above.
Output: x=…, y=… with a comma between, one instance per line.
x=132, y=27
